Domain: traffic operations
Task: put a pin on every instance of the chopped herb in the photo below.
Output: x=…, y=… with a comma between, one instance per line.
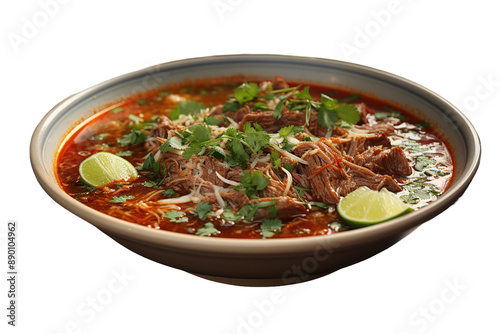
x=300, y=191
x=247, y=212
x=207, y=230
x=202, y=210
x=133, y=138
x=278, y=110
x=169, y=193
x=231, y=106
x=273, y=211
x=422, y=124
x=142, y=101
x=396, y=114
x=350, y=98
x=230, y=216
x=270, y=226
x=423, y=162
x=251, y=183
x=289, y=167
x=381, y=115
x=143, y=125
x=276, y=159
x=260, y=106
x=100, y=136
x=186, y=108
x=124, y=153
x=175, y=216
x=174, y=142
x=211, y=120
x=116, y=110
x=135, y=118
x=246, y=92
x=149, y=184
x=121, y=199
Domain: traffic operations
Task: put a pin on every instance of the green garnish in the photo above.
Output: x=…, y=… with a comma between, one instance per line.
x=251, y=183
x=186, y=108
x=276, y=159
x=100, y=136
x=175, y=216
x=124, y=153
x=270, y=226
x=142, y=101
x=246, y=92
x=211, y=120
x=149, y=184
x=121, y=199
x=116, y=110
x=133, y=138
x=169, y=192
x=135, y=118
x=174, y=142
x=207, y=230
x=202, y=210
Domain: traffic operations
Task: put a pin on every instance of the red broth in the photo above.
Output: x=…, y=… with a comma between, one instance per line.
x=427, y=155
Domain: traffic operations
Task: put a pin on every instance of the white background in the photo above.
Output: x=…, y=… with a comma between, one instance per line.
x=443, y=278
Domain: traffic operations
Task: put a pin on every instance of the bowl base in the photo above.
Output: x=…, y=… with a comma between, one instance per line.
x=255, y=282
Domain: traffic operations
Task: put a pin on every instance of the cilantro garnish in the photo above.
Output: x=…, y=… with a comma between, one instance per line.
x=174, y=142
x=175, y=216
x=149, y=184
x=270, y=226
x=202, y=210
x=207, y=230
x=276, y=159
x=116, y=110
x=124, y=153
x=247, y=212
x=186, y=108
x=142, y=101
x=133, y=138
x=246, y=92
x=251, y=183
x=121, y=199
x=169, y=192
x=135, y=118
x=100, y=136
x=211, y=120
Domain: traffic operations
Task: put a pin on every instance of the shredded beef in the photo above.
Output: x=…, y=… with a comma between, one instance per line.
x=329, y=176
x=287, y=207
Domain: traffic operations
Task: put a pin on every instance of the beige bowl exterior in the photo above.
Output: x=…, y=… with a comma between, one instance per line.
x=259, y=262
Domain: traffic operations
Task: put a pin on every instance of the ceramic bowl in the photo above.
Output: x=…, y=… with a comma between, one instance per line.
x=259, y=262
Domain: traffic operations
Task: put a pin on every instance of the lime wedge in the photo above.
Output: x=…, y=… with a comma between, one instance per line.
x=364, y=207
x=103, y=168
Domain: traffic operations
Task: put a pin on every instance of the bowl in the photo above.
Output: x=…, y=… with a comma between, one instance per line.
x=271, y=261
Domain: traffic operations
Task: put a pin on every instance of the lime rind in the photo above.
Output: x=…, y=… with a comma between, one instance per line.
x=365, y=207
x=103, y=168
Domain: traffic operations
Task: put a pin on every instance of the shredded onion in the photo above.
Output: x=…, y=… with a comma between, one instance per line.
x=257, y=160
x=233, y=122
x=218, y=197
x=183, y=199
x=290, y=155
x=288, y=181
x=231, y=182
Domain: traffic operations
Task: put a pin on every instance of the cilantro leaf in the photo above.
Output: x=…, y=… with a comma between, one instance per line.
x=247, y=212
x=276, y=159
x=186, y=108
x=175, y=216
x=251, y=183
x=278, y=110
x=202, y=210
x=230, y=216
x=174, y=142
x=133, y=138
x=348, y=113
x=124, y=153
x=116, y=110
x=149, y=184
x=169, y=192
x=270, y=226
x=231, y=106
x=121, y=199
x=246, y=92
x=211, y=120
x=207, y=230
x=350, y=98
x=100, y=136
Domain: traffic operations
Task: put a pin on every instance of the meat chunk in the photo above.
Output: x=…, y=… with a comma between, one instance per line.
x=270, y=124
x=330, y=176
x=385, y=161
x=280, y=83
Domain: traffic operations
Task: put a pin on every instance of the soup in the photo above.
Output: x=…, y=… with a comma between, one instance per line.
x=267, y=159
